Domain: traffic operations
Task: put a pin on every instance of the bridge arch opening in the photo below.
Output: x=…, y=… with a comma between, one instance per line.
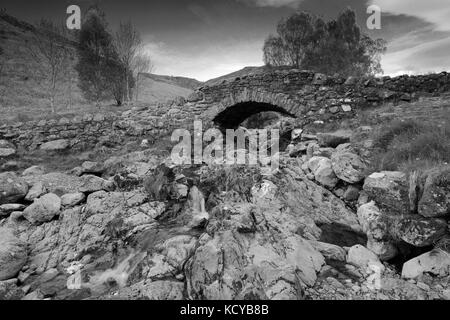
x=232, y=117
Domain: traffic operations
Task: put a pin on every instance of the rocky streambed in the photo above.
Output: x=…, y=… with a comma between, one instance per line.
x=139, y=227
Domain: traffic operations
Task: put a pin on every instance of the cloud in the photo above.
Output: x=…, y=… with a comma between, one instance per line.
x=431, y=56
x=436, y=12
x=273, y=3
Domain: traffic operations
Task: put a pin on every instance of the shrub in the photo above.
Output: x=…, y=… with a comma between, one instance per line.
x=409, y=145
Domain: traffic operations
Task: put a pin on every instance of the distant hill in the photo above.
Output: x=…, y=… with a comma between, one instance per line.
x=240, y=73
x=160, y=88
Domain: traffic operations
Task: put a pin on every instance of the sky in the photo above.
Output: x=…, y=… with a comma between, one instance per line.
x=204, y=39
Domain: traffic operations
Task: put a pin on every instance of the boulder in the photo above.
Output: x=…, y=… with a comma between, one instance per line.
x=389, y=190
x=72, y=199
x=363, y=258
x=13, y=254
x=416, y=230
x=37, y=190
x=10, y=291
x=333, y=139
x=33, y=171
x=91, y=183
x=348, y=166
x=330, y=251
x=436, y=262
x=12, y=188
x=55, y=145
x=323, y=171
x=43, y=209
x=435, y=200
x=92, y=167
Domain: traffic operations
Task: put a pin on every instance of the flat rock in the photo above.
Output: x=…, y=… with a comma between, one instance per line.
x=55, y=145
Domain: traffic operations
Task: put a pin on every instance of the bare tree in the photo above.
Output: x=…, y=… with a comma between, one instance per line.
x=49, y=49
x=142, y=63
x=128, y=42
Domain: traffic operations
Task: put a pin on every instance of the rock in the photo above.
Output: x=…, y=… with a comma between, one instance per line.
x=43, y=209
x=72, y=199
x=418, y=231
x=330, y=251
x=436, y=262
x=348, y=166
x=10, y=291
x=351, y=193
x=376, y=227
x=10, y=166
x=33, y=171
x=323, y=171
x=6, y=209
x=91, y=183
x=13, y=254
x=374, y=224
x=12, y=188
x=92, y=167
x=6, y=149
x=363, y=258
x=37, y=190
x=163, y=290
x=389, y=190
x=333, y=139
x=385, y=250
x=55, y=145
x=435, y=200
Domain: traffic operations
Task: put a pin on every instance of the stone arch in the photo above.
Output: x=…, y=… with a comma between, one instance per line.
x=232, y=116
x=237, y=107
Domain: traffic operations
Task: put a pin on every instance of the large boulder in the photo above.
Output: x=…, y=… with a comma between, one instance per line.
x=55, y=145
x=416, y=230
x=348, y=166
x=435, y=200
x=436, y=262
x=13, y=254
x=12, y=188
x=389, y=190
x=43, y=209
x=323, y=172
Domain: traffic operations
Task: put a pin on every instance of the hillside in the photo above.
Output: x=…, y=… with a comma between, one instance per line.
x=240, y=73
x=159, y=88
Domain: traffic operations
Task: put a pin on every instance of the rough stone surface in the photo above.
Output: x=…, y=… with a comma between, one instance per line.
x=435, y=262
x=12, y=188
x=72, y=199
x=348, y=166
x=13, y=254
x=55, y=145
x=389, y=190
x=435, y=200
x=323, y=172
x=43, y=209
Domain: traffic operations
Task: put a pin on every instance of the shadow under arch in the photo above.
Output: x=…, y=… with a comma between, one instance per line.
x=233, y=116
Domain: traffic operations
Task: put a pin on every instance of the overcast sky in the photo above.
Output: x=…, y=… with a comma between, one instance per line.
x=204, y=39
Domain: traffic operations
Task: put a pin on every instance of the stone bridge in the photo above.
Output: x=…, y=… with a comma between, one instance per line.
x=305, y=96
